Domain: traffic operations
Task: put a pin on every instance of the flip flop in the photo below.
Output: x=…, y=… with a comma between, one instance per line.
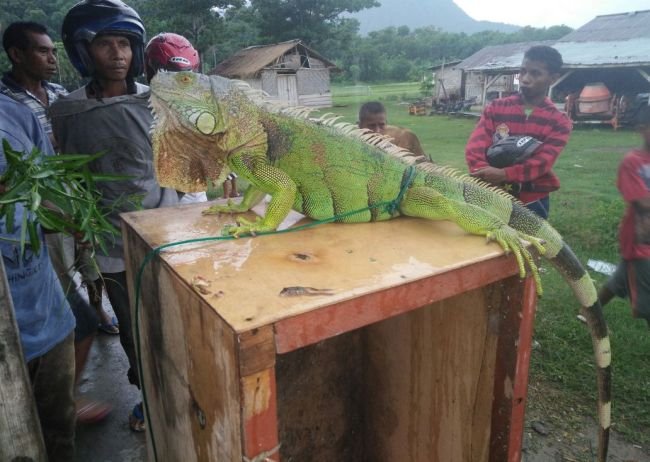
x=91, y=412
x=136, y=419
x=111, y=328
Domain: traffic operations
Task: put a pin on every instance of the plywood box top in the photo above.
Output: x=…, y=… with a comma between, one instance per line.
x=242, y=279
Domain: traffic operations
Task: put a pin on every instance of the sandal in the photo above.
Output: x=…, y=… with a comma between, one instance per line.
x=91, y=412
x=136, y=419
x=111, y=328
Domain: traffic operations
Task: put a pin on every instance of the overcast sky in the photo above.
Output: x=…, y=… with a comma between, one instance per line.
x=544, y=13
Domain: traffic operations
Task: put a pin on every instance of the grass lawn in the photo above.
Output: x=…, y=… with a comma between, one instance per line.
x=586, y=211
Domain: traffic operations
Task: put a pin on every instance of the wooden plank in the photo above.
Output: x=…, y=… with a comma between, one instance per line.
x=353, y=260
x=316, y=325
x=428, y=381
x=321, y=399
x=20, y=429
x=259, y=417
x=256, y=350
x=520, y=392
x=509, y=403
x=189, y=358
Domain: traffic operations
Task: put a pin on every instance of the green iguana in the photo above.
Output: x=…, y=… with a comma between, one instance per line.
x=206, y=127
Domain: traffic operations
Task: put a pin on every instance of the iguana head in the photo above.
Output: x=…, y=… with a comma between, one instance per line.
x=188, y=123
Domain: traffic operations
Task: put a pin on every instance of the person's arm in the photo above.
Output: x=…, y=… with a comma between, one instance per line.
x=414, y=144
x=475, y=150
x=635, y=192
x=543, y=160
x=479, y=141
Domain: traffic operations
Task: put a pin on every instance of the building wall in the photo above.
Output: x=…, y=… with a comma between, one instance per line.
x=474, y=82
x=313, y=81
x=254, y=83
x=451, y=79
x=314, y=87
x=268, y=82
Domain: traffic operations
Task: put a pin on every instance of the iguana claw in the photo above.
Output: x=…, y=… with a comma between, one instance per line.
x=513, y=241
x=229, y=207
x=245, y=227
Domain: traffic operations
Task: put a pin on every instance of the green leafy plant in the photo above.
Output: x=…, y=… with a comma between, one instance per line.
x=58, y=192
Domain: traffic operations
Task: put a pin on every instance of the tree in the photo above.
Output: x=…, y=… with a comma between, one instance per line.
x=313, y=21
x=200, y=21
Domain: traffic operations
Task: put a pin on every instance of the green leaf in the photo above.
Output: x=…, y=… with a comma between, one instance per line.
x=36, y=201
x=10, y=212
x=23, y=232
x=34, y=238
x=43, y=174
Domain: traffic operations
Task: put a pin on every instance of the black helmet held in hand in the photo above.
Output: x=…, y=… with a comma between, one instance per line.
x=89, y=18
x=512, y=150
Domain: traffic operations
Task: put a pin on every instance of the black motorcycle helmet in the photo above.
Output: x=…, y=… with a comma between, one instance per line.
x=89, y=18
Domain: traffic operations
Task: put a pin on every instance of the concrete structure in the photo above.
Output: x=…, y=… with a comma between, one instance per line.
x=289, y=71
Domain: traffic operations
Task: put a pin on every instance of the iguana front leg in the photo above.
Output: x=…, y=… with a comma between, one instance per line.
x=252, y=197
x=264, y=179
x=426, y=202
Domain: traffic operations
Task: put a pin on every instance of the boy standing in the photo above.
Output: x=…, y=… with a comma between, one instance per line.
x=632, y=276
x=530, y=113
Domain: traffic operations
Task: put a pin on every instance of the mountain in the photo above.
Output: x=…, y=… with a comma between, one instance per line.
x=443, y=14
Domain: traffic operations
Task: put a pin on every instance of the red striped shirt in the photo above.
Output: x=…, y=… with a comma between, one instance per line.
x=506, y=117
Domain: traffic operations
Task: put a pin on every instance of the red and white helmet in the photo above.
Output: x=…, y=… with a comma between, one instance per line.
x=170, y=52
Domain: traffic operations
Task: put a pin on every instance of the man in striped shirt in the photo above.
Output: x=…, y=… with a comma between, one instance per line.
x=33, y=63
x=531, y=113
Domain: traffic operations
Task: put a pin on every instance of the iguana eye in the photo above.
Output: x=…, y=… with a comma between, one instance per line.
x=184, y=78
x=205, y=122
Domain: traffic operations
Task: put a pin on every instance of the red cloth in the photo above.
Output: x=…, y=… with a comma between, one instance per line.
x=634, y=184
x=506, y=117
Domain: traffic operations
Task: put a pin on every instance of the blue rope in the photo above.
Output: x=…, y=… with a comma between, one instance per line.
x=408, y=177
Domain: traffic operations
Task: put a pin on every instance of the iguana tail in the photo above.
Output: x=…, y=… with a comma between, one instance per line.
x=441, y=193
x=566, y=262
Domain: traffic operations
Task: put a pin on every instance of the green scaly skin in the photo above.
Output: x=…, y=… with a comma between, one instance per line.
x=207, y=127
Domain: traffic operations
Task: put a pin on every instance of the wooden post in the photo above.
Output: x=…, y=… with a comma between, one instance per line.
x=487, y=83
x=555, y=84
x=20, y=430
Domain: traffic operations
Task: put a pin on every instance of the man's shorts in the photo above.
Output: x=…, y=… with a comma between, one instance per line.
x=632, y=280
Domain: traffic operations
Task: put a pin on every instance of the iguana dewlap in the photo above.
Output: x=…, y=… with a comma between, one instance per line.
x=207, y=127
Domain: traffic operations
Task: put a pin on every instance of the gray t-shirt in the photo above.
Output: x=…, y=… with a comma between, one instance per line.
x=119, y=127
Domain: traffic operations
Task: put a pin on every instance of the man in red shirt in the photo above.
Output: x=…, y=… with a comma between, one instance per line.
x=531, y=113
x=632, y=277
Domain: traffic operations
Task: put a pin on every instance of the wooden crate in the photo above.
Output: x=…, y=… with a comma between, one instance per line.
x=420, y=354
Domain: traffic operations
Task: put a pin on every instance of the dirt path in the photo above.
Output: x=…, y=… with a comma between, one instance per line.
x=556, y=434
x=559, y=447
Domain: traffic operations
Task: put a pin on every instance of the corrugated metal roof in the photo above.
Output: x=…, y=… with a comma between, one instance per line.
x=496, y=56
x=447, y=65
x=248, y=62
x=635, y=52
x=614, y=40
x=613, y=28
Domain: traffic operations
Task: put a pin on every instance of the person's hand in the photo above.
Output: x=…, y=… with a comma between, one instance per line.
x=492, y=175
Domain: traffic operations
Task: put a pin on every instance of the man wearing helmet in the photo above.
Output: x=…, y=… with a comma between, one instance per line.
x=172, y=52
x=104, y=40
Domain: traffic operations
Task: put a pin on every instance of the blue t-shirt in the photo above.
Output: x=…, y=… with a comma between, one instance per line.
x=43, y=315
